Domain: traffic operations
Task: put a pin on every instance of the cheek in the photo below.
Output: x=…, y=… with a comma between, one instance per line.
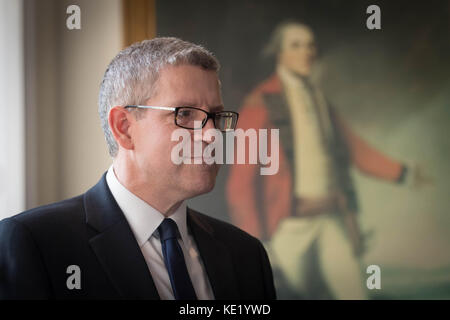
x=291, y=58
x=153, y=145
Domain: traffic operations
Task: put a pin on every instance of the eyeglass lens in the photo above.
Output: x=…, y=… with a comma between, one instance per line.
x=195, y=118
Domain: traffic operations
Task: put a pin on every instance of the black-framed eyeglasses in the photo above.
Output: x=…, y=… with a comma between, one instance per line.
x=195, y=118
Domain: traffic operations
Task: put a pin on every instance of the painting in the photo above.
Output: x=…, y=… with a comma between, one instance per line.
x=359, y=94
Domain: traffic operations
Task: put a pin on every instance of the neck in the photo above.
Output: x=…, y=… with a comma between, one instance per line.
x=292, y=74
x=136, y=183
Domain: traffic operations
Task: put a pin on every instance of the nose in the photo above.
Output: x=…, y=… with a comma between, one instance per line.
x=209, y=125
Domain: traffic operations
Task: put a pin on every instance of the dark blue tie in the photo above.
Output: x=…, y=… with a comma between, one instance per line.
x=174, y=260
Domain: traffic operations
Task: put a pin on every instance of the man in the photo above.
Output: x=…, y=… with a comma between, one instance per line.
x=131, y=236
x=307, y=210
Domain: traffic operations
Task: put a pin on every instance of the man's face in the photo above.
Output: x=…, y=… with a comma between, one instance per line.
x=177, y=86
x=298, y=50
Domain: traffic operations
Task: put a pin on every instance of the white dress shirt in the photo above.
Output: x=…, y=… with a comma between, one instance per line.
x=314, y=176
x=144, y=221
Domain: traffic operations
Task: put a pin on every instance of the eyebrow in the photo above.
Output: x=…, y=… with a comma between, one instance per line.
x=217, y=108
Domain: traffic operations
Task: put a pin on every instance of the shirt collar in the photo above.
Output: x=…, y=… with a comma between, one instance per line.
x=143, y=219
x=289, y=78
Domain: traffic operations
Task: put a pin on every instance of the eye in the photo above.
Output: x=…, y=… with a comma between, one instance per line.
x=184, y=113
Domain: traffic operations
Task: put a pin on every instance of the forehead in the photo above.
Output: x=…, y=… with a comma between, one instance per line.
x=296, y=33
x=189, y=83
x=186, y=74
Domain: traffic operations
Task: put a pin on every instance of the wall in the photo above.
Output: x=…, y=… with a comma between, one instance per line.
x=12, y=164
x=66, y=151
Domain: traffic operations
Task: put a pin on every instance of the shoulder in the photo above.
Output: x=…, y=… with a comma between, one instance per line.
x=248, y=257
x=35, y=242
x=44, y=218
x=224, y=231
x=254, y=108
x=271, y=85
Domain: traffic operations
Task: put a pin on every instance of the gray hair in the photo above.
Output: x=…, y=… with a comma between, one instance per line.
x=130, y=78
x=273, y=47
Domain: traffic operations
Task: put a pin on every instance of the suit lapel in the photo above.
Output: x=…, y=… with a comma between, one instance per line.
x=115, y=245
x=216, y=257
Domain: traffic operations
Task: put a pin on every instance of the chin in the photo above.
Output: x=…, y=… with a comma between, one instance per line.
x=207, y=184
x=304, y=72
x=197, y=190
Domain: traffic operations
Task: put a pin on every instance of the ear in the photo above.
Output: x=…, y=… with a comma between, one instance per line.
x=120, y=121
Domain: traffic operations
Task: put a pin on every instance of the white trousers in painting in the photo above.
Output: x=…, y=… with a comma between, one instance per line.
x=312, y=258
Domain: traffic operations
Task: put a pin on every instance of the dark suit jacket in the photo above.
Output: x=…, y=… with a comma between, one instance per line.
x=90, y=231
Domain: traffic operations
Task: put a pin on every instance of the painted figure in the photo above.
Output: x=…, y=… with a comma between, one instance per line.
x=307, y=212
